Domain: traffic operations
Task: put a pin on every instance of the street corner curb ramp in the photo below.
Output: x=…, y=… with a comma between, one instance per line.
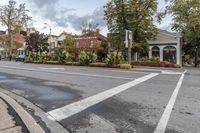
x=28, y=120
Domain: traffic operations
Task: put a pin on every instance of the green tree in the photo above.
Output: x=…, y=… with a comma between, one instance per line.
x=134, y=15
x=14, y=18
x=186, y=21
x=37, y=42
x=68, y=43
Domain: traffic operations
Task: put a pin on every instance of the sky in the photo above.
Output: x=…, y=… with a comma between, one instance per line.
x=69, y=15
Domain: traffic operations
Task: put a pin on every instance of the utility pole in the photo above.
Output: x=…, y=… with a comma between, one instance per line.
x=49, y=36
x=129, y=43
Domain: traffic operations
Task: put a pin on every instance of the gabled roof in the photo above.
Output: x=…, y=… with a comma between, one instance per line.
x=169, y=33
x=164, y=37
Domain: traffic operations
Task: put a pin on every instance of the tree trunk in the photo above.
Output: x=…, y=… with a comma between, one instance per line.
x=197, y=56
x=10, y=41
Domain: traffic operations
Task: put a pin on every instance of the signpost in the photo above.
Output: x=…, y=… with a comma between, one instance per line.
x=128, y=43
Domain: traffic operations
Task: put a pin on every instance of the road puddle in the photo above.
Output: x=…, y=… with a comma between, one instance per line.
x=42, y=92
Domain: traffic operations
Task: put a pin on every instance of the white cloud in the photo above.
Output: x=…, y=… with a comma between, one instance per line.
x=67, y=16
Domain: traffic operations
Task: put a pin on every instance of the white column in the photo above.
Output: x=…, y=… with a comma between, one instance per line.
x=178, y=52
x=161, y=53
x=135, y=56
x=150, y=52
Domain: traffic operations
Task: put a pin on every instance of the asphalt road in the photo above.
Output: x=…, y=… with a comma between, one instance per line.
x=96, y=100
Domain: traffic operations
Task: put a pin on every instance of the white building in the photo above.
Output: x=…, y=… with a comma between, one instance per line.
x=166, y=46
x=52, y=40
x=61, y=37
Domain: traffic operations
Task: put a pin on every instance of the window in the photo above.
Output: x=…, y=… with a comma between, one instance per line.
x=155, y=52
x=169, y=54
x=77, y=44
x=91, y=44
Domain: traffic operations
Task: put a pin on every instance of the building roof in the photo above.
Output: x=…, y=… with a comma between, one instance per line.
x=169, y=33
x=164, y=37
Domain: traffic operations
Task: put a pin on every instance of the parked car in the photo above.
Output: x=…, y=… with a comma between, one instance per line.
x=21, y=58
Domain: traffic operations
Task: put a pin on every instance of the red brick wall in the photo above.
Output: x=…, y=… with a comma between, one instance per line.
x=88, y=43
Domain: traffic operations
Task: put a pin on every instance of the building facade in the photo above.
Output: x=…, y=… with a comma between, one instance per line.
x=89, y=42
x=166, y=46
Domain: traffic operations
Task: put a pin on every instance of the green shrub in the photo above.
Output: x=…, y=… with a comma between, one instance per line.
x=33, y=57
x=54, y=57
x=145, y=59
x=14, y=57
x=155, y=59
x=114, y=58
x=42, y=57
x=83, y=58
x=152, y=60
x=125, y=66
x=178, y=66
x=92, y=57
x=67, y=57
x=49, y=57
x=86, y=58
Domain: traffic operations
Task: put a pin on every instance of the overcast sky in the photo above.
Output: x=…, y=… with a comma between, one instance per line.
x=68, y=15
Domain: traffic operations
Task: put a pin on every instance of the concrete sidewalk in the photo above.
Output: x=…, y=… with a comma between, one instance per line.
x=8, y=123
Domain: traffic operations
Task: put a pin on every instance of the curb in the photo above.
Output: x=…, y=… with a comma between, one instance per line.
x=30, y=123
x=51, y=126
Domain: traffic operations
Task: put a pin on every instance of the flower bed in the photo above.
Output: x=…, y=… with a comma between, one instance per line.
x=113, y=60
x=99, y=64
x=156, y=64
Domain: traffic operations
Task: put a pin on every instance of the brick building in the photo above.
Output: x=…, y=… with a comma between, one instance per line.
x=89, y=42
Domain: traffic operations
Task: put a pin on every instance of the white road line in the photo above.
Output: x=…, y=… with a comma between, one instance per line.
x=69, y=73
x=51, y=68
x=74, y=108
x=162, y=125
x=170, y=72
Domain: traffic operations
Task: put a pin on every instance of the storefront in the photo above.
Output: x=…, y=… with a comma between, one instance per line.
x=166, y=46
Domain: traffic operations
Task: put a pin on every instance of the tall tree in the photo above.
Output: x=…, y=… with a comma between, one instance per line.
x=14, y=18
x=37, y=42
x=134, y=15
x=186, y=20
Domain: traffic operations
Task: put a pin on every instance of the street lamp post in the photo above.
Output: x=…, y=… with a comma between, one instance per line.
x=49, y=35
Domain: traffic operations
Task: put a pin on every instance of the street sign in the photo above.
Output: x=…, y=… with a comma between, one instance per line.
x=128, y=43
x=128, y=38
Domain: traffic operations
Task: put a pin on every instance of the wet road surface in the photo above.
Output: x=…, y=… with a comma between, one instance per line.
x=135, y=110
